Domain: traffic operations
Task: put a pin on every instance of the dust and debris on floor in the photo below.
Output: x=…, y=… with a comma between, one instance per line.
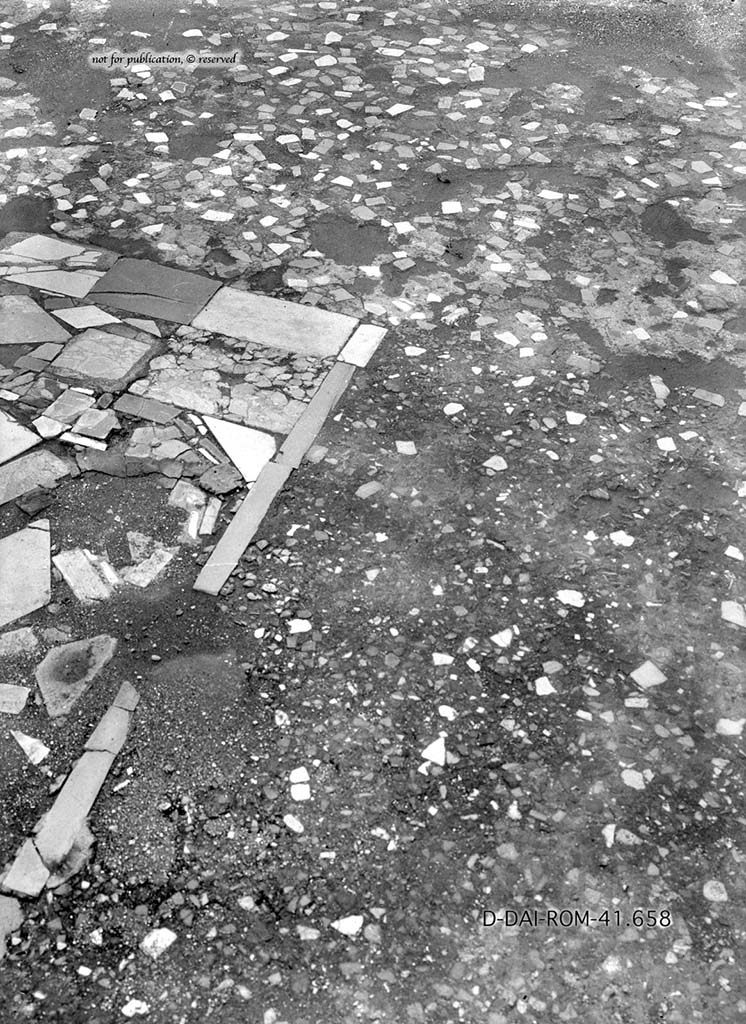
x=372, y=591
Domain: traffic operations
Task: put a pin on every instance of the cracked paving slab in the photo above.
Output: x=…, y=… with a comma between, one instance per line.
x=142, y=286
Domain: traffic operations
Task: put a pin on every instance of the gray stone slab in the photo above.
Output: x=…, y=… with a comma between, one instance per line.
x=44, y=247
x=74, y=283
x=97, y=423
x=67, y=671
x=14, y=438
x=18, y=641
x=28, y=874
x=69, y=406
x=274, y=322
x=146, y=408
x=83, y=576
x=57, y=831
x=127, y=697
x=142, y=286
x=111, y=731
x=361, y=347
x=13, y=698
x=242, y=528
x=76, y=859
x=303, y=434
x=24, y=322
x=11, y=919
x=104, y=359
x=37, y=469
x=24, y=572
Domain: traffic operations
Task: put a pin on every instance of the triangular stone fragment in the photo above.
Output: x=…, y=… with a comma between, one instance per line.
x=67, y=671
x=248, y=449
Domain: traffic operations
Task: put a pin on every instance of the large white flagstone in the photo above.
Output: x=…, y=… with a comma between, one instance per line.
x=275, y=322
x=24, y=572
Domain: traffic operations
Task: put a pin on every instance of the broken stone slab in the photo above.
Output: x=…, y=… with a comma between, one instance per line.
x=242, y=528
x=28, y=874
x=44, y=247
x=48, y=428
x=68, y=670
x=36, y=469
x=97, y=423
x=143, y=574
x=276, y=323
x=127, y=697
x=114, y=464
x=11, y=919
x=187, y=496
x=25, y=572
x=111, y=732
x=83, y=576
x=13, y=698
x=142, y=286
x=221, y=479
x=76, y=859
x=35, y=501
x=24, y=322
x=210, y=516
x=303, y=434
x=249, y=450
x=107, y=360
x=73, y=283
x=361, y=347
x=14, y=438
x=33, y=748
x=81, y=317
x=57, y=830
x=69, y=406
x=146, y=409
x=18, y=641
x=63, y=841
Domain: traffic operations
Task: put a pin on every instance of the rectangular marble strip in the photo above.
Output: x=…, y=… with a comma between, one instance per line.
x=304, y=433
x=242, y=528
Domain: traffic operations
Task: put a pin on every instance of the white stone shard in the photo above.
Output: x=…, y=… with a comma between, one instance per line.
x=571, y=597
x=157, y=942
x=543, y=687
x=714, y=891
x=648, y=674
x=33, y=748
x=435, y=752
x=730, y=726
x=504, y=638
x=720, y=277
x=348, y=925
x=732, y=611
x=633, y=778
